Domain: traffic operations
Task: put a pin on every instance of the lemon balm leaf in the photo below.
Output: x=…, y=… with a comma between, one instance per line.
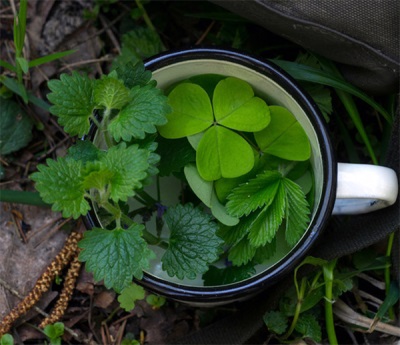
x=61, y=183
x=223, y=153
x=236, y=107
x=284, y=137
x=146, y=110
x=191, y=112
x=72, y=98
x=193, y=242
x=110, y=93
x=115, y=256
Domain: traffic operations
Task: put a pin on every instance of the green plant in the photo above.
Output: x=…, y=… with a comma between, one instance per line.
x=54, y=332
x=127, y=109
x=7, y=339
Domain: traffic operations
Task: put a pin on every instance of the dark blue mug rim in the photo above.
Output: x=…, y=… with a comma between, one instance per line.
x=255, y=284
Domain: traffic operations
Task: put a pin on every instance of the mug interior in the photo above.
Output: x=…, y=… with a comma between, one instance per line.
x=276, y=88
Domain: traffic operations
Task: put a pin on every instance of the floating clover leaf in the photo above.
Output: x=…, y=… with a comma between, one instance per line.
x=115, y=256
x=284, y=137
x=193, y=242
x=221, y=152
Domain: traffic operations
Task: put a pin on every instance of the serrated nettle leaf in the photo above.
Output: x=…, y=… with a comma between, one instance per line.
x=143, y=42
x=133, y=74
x=236, y=107
x=115, y=256
x=15, y=127
x=191, y=112
x=297, y=212
x=61, y=184
x=129, y=295
x=84, y=151
x=72, y=98
x=223, y=153
x=284, y=137
x=129, y=166
x=97, y=175
x=307, y=325
x=110, y=93
x=253, y=194
x=276, y=321
x=146, y=110
x=222, y=276
x=193, y=242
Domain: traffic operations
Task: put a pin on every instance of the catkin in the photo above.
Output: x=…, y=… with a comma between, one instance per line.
x=66, y=254
x=66, y=294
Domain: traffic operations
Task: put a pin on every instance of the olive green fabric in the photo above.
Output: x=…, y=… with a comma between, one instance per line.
x=361, y=35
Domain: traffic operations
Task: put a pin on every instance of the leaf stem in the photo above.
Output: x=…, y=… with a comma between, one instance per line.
x=145, y=15
x=329, y=322
x=300, y=297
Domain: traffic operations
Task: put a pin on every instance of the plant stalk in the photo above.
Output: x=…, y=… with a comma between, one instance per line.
x=387, y=272
x=329, y=322
x=22, y=197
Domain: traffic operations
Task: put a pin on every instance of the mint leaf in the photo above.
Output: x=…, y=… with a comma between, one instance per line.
x=307, y=325
x=120, y=171
x=84, y=151
x=193, y=242
x=133, y=74
x=129, y=295
x=256, y=193
x=142, y=42
x=284, y=137
x=61, y=184
x=115, y=256
x=228, y=275
x=276, y=321
x=15, y=127
x=110, y=93
x=297, y=212
x=236, y=107
x=147, y=109
x=72, y=97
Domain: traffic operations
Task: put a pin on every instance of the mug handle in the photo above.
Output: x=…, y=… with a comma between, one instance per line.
x=363, y=188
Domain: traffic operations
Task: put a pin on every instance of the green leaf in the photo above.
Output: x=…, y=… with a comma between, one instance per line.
x=155, y=301
x=15, y=127
x=254, y=194
x=297, y=212
x=61, y=184
x=191, y=112
x=8, y=66
x=147, y=109
x=129, y=295
x=264, y=228
x=84, y=151
x=110, y=93
x=23, y=64
x=276, y=321
x=222, y=276
x=284, y=137
x=236, y=107
x=193, y=242
x=175, y=155
x=54, y=332
x=121, y=169
x=392, y=297
x=7, y=339
x=265, y=252
x=242, y=252
x=142, y=42
x=115, y=256
x=133, y=74
x=72, y=97
x=307, y=325
x=223, y=153
x=49, y=58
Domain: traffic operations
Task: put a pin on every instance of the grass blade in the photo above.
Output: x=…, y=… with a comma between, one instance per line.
x=8, y=66
x=314, y=75
x=49, y=58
